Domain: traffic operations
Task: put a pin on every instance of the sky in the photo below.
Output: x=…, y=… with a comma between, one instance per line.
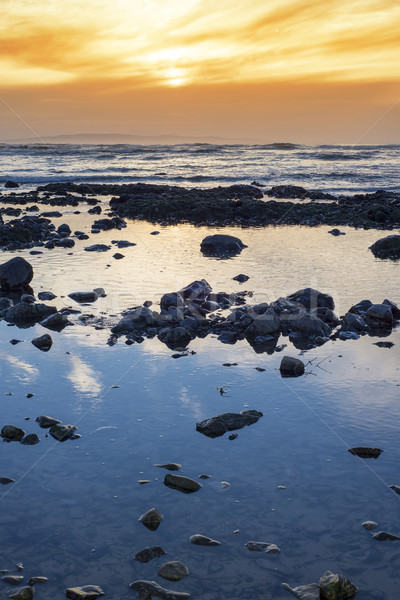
x=301, y=71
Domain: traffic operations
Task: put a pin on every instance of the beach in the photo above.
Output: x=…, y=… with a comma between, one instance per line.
x=135, y=389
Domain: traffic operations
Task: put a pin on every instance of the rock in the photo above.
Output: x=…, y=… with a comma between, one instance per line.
x=86, y=592
x=83, y=296
x=43, y=342
x=118, y=256
x=348, y=335
x=336, y=232
x=28, y=298
x=62, y=432
x=97, y=248
x=304, y=592
x=155, y=589
x=365, y=452
x=22, y=593
x=23, y=314
x=149, y=553
x=11, y=184
x=395, y=488
x=64, y=228
x=361, y=307
x=183, y=484
x=151, y=519
x=380, y=312
x=178, y=337
x=46, y=296
x=37, y=579
x=384, y=536
x=202, y=540
x=13, y=579
x=308, y=325
x=291, y=367
x=30, y=440
x=216, y=426
x=336, y=587
x=173, y=570
x=10, y=433
x=123, y=243
x=387, y=247
x=263, y=547
x=354, y=322
x=221, y=245
x=369, y=525
x=6, y=481
x=56, y=322
x=15, y=274
x=395, y=309
x=45, y=422
x=228, y=337
x=196, y=291
x=241, y=278
x=265, y=324
x=171, y=299
x=170, y=466
x=311, y=298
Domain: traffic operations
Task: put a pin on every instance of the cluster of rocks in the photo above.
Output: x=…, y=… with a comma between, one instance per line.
x=59, y=431
x=21, y=591
x=307, y=317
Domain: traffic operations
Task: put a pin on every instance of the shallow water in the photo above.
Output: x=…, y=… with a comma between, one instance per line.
x=72, y=514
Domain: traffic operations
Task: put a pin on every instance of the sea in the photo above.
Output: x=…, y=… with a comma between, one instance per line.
x=335, y=169
x=72, y=512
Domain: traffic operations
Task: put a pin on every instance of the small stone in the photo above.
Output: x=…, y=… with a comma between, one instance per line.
x=204, y=476
x=118, y=256
x=43, y=342
x=365, y=452
x=148, y=553
x=45, y=422
x=151, y=519
x=291, y=367
x=170, y=466
x=202, y=540
x=173, y=570
x=86, y=592
x=395, y=488
x=5, y=481
x=13, y=579
x=225, y=485
x=143, y=481
x=369, y=525
x=262, y=547
x=38, y=579
x=233, y=436
x=182, y=484
x=241, y=278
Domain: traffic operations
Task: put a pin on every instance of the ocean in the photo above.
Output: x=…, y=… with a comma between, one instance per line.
x=335, y=169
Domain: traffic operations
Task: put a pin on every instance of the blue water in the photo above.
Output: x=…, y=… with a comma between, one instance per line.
x=336, y=169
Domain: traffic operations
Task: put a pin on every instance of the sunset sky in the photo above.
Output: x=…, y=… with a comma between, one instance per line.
x=270, y=70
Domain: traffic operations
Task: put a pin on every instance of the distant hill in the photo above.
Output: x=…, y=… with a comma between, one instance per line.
x=120, y=138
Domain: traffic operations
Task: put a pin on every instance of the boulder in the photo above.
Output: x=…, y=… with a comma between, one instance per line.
x=311, y=298
x=217, y=426
x=10, y=433
x=177, y=337
x=267, y=323
x=387, y=247
x=62, y=432
x=30, y=440
x=334, y=586
x=380, y=312
x=354, y=322
x=197, y=290
x=221, y=245
x=15, y=274
x=171, y=299
x=135, y=320
x=24, y=314
x=308, y=325
x=291, y=367
x=43, y=342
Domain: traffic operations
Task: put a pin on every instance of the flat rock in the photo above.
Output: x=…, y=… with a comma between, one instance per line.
x=97, y=248
x=202, y=540
x=13, y=579
x=151, y=519
x=170, y=466
x=6, y=481
x=86, y=592
x=365, y=452
x=37, y=579
x=155, y=589
x=173, y=570
x=217, y=426
x=149, y=553
x=311, y=298
x=83, y=296
x=262, y=547
x=395, y=488
x=183, y=484
x=384, y=536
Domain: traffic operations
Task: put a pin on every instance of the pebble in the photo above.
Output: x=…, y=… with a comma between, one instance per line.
x=38, y=579
x=204, y=476
x=170, y=466
x=369, y=525
x=262, y=547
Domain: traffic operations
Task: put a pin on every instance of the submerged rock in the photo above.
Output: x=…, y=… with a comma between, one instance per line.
x=22, y=593
x=30, y=440
x=45, y=422
x=173, y=570
x=336, y=587
x=384, y=536
x=6, y=481
x=62, y=432
x=25, y=314
x=369, y=525
x=217, y=426
x=148, y=554
x=170, y=466
x=262, y=547
x=221, y=245
x=151, y=519
x=15, y=274
x=155, y=589
x=365, y=452
x=311, y=298
x=202, y=540
x=86, y=592
x=183, y=484
x=310, y=591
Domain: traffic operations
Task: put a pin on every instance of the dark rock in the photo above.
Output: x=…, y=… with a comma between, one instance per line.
x=37, y=579
x=22, y=593
x=11, y=184
x=151, y=519
x=267, y=323
x=291, y=367
x=221, y=245
x=64, y=228
x=45, y=422
x=336, y=587
x=155, y=589
x=387, y=247
x=308, y=325
x=287, y=191
x=217, y=426
x=177, y=337
x=384, y=344
x=173, y=570
x=263, y=547
x=384, y=536
x=23, y=314
x=395, y=488
x=380, y=312
x=6, y=481
x=96, y=210
x=118, y=256
x=86, y=592
x=148, y=554
x=15, y=274
x=43, y=342
x=30, y=440
x=202, y=540
x=365, y=452
x=336, y=232
x=97, y=248
x=228, y=337
x=64, y=243
x=46, y=296
x=14, y=342
x=241, y=278
x=62, y=432
x=310, y=591
x=394, y=308
x=311, y=298
x=56, y=322
x=183, y=484
x=170, y=466
x=354, y=322
x=361, y=307
x=196, y=291
x=83, y=296
x=13, y=579
x=10, y=433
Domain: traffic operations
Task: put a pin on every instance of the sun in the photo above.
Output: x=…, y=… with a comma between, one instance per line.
x=175, y=77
